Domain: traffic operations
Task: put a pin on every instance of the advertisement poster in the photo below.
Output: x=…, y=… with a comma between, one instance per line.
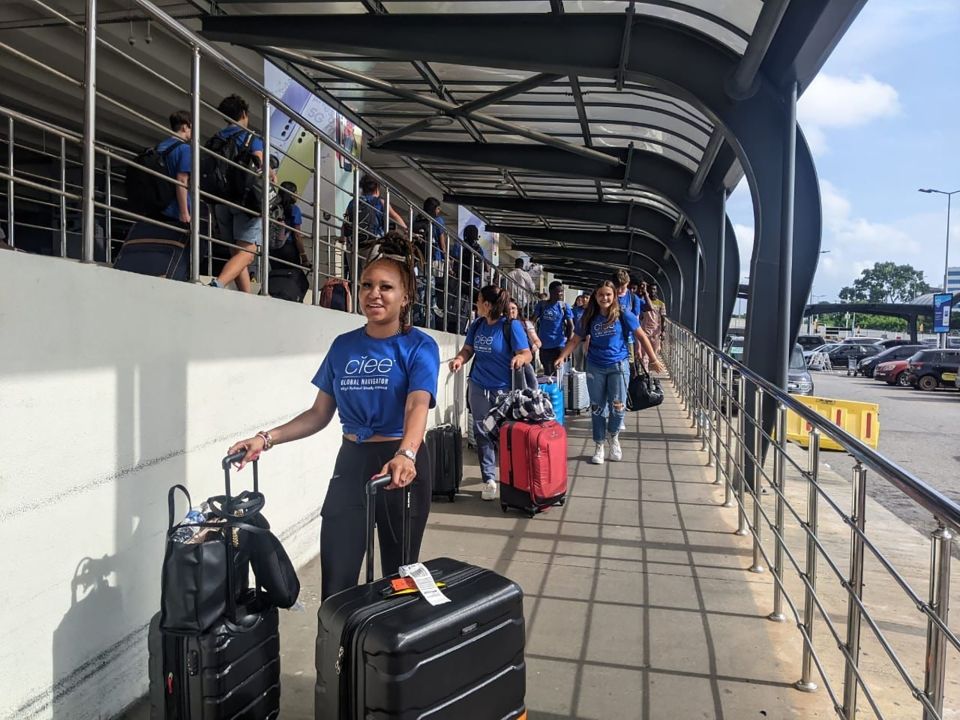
x=941, y=312
x=296, y=146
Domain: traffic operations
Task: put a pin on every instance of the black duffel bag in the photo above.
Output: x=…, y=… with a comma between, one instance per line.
x=203, y=577
x=643, y=391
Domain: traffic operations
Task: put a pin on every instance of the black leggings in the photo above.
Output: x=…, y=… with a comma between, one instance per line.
x=343, y=540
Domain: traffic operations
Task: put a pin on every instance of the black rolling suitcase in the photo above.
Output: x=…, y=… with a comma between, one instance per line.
x=382, y=654
x=160, y=258
x=230, y=670
x=446, y=459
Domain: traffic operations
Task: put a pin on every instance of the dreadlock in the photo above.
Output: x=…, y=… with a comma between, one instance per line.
x=395, y=248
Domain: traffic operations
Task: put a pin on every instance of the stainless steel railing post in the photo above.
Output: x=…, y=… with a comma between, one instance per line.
x=386, y=212
x=779, y=483
x=315, y=229
x=858, y=507
x=757, y=566
x=446, y=284
x=707, y=393
x=934, y=679
x=731, y=457
x=717, y=415
x=460, y=287
x=108, y=211
x=11, y=185
x=89, y=158
x=428, y=300
x=265, y=203
x=63, y=199
x=194, y=188
x=741, y=459
x=355, y=242
x=806, y=683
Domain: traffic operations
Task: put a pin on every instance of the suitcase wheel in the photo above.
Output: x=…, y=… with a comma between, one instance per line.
x=562, y=501
x=531, y=514
x=452, y=496
x=503, y=507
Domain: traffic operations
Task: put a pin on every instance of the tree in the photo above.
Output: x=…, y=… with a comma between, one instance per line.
x=886, y=282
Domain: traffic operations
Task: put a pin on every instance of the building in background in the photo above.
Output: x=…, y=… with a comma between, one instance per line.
x=953, y=279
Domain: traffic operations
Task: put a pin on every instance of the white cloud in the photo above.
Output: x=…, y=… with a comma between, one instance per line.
x=744, y=235
x=832, y=101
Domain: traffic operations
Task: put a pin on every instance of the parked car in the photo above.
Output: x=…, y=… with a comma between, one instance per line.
x=868, y=365
x=895, y=342
x=799, y=381
x=930, y=369
x=807, y=354
x=841, y=355
x=858, y=340
x=809, y=342
x=893, y=372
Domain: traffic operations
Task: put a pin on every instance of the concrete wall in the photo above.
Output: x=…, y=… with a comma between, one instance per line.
x=113, y=387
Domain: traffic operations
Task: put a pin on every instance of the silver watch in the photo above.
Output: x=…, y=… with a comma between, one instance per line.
x=407, y=453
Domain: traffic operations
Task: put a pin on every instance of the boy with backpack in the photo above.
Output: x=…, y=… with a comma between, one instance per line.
x=554, y=320
x=236, y=144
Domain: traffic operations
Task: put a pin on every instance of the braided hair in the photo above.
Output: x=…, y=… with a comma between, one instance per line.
x=395, y=249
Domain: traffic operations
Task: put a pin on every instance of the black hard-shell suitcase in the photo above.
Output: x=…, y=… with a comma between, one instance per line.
x=381, y=655
x=288, y=284
x=160, y=258
x=229, y=672
x=446, y=459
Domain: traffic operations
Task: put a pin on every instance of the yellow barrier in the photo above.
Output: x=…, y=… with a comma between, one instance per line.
x=860, y=419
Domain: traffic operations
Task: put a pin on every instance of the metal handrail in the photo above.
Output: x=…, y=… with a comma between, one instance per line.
x=705, y=379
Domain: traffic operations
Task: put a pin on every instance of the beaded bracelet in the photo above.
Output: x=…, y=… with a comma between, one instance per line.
x=267, y=440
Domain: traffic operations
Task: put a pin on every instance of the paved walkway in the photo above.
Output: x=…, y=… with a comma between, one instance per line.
x=639, y=603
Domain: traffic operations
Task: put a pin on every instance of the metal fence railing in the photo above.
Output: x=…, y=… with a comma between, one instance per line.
x=880, y=646
x=69, y=183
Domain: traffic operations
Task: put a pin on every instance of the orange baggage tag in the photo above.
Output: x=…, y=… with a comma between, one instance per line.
x=402, y=583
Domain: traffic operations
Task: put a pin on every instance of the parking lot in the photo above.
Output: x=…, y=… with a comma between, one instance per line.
x=919, y=430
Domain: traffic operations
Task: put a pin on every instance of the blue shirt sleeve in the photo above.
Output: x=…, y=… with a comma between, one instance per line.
x=579, y=328
x=518, y=337
x=538, y=310
x=256, y=144
x=633, y=322
x=296, y=216
x=182, y=159
x=324, y=377
x=567, y=312
x=424, y=369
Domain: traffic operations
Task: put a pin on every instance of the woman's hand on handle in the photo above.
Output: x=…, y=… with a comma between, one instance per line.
x=401, y=469
x=520, y=359
x=456, y=364
x=252, y=448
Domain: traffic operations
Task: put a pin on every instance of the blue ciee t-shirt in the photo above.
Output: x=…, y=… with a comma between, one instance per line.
x=606, y=339
x=491, y=354
x=370, y=378
x=550, y=317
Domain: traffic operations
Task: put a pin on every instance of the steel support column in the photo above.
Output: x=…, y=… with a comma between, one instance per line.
x=88, y=211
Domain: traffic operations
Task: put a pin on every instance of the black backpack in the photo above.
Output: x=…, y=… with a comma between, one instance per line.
x=148, y=194
x=367, y=217
x=222, y=179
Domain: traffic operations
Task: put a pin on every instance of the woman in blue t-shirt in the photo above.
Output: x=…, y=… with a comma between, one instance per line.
x=609, y=328
x=498, y=346
x=382, y=380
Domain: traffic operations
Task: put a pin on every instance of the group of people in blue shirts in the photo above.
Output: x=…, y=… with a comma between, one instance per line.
x=381, y=379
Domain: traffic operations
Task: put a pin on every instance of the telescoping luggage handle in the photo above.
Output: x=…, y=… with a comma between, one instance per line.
x=230, y=460
x=373, y=486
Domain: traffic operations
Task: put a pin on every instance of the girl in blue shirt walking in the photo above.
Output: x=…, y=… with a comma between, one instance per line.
x=609, y=327
x=499, y=346
x=382, y=380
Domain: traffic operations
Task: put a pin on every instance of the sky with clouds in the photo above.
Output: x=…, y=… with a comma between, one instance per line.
x=883, y=119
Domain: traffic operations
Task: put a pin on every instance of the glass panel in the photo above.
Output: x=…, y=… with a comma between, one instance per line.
x=476, y=6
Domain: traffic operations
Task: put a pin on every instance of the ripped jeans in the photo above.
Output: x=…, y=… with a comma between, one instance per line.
x=608, y=396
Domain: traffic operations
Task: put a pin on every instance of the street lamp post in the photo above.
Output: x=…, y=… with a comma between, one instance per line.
x=946, y=259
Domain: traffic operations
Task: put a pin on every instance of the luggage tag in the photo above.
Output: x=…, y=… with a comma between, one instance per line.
x=425, y=583
x=405, y=586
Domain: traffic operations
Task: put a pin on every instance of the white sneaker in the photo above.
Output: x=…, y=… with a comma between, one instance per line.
x=616, y=453
x=597, y=458
x=489, y=491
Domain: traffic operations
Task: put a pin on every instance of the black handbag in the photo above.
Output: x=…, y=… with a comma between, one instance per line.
x=643, y=391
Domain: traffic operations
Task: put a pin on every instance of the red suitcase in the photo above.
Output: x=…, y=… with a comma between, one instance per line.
x=533, y=466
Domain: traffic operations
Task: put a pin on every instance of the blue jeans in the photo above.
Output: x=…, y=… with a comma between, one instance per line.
x=607, y=387
x=480, y=403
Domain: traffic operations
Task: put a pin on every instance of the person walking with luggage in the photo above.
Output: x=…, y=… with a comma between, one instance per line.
x=554, y=320
x=515, y=313
x=499, y=346
x=579, y=306
x=382, y=381
x=609, y=328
